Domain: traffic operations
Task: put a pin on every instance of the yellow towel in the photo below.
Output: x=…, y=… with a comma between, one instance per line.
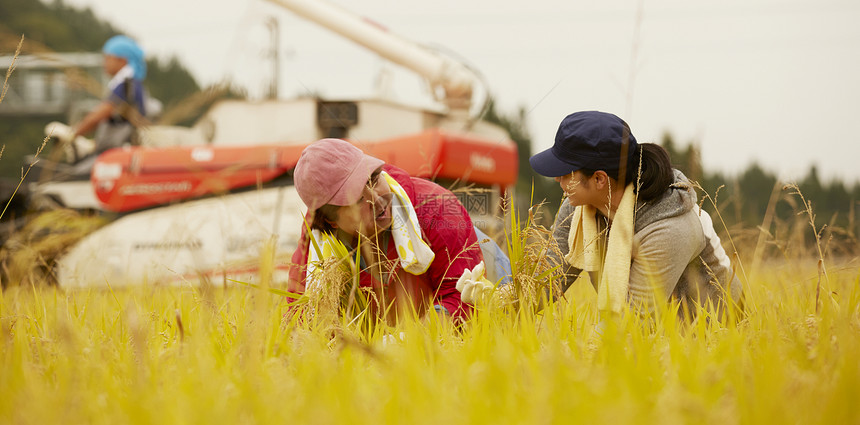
x=414, y=253
x=584, y=253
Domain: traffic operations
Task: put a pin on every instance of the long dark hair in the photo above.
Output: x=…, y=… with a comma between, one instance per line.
x=656, y=171
x=323, y=216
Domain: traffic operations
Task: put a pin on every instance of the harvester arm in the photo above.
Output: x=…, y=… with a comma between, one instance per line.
x=454, y=78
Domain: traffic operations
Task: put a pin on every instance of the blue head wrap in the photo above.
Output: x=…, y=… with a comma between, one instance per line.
x=126, y=48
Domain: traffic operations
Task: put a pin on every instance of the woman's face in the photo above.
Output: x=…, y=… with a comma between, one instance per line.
x=577, y=189
x=112, y=64
x=371, y=214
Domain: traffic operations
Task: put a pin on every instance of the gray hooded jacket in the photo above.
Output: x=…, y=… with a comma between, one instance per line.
x=676, y=253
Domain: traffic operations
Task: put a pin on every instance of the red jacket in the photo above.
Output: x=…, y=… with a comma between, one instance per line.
x=446, y=227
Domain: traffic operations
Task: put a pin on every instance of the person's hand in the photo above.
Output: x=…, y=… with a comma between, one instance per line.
x=62, y=132
x=599, y=328
x=474, y=287
x=73, y=146
x=390, y=339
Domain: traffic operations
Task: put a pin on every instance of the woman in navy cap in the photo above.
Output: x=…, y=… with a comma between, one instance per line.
x=632, y=221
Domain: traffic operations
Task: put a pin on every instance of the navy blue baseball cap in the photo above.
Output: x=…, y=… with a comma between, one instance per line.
x=591, y=140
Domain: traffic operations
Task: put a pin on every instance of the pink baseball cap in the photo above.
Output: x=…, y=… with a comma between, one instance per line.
x=332, y=171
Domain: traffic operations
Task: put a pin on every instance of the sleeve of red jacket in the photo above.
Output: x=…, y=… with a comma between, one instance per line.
x=299, y=262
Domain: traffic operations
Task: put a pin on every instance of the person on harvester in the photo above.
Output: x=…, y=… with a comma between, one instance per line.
x=414, y=238
x=123, y=109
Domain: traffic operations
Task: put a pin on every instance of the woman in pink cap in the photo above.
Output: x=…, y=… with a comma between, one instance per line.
x=416, y=239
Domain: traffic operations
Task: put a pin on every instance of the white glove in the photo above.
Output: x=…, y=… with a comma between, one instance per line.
x=74, y=147
x=61, y=131
x=599, y=328
x=473, y=286
x=389, y=339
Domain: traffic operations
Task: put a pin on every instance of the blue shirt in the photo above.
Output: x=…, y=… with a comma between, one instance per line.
x=118, y=95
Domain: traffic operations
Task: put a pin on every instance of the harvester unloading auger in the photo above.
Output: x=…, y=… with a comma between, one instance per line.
x=204, y=203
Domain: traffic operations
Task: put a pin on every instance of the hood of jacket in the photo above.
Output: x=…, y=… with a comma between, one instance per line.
x=677, y=200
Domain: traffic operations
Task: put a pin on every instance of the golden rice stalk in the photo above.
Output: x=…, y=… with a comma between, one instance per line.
x=30, y=254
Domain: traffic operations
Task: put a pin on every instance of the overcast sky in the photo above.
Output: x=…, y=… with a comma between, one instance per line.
x=777, y=82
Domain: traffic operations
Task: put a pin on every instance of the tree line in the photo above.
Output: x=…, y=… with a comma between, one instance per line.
x=756, y=197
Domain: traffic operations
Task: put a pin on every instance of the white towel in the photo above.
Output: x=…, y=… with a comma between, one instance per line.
x=584, y=253
x=124, y=73
x=415, y=254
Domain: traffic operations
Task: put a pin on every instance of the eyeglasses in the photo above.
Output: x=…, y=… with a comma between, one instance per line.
x=372, y=182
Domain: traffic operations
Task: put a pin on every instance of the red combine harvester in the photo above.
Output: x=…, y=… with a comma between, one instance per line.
x=207, y=200
x=127, y=180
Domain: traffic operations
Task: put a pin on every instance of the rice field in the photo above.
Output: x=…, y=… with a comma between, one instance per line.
x=235, y=355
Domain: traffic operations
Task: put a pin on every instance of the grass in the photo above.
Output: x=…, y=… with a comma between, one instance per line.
x=121, y=357
x=238, y=355
x=3, y=91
